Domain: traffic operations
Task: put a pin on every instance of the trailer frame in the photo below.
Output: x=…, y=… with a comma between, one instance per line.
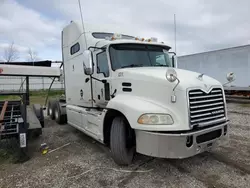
x=17, y=119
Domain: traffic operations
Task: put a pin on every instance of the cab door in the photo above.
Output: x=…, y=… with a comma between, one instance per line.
x=102, y=72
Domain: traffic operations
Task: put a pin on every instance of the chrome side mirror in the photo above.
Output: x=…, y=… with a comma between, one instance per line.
x=87, y=62
x=230, y=78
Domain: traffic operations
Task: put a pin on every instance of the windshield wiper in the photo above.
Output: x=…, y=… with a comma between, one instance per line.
x=133, y=65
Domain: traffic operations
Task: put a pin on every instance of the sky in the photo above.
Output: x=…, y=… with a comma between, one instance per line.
x=201, y=25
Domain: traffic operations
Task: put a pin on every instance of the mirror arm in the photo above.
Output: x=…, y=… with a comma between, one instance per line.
x=103, y=81
x=228, y=82
x=173, y=60
x=94, y=47
x=172, y=53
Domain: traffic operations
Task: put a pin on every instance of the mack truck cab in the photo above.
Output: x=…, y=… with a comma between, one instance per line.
x=127, y=93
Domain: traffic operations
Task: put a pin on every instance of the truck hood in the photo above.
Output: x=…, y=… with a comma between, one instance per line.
x=187, y=78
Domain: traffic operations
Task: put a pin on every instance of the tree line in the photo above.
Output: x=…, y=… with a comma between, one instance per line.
x=11, y=54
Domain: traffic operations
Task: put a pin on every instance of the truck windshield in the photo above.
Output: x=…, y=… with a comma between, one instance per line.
x=139, y=55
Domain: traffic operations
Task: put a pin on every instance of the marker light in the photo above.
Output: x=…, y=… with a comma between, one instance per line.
x=153, y=39
x=155, y=119
x=117, y=36
x=114, y=37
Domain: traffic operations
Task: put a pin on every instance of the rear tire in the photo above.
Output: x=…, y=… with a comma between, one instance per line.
x=39, y=113
x=122, y=141
x=34, y=133
x=51, y=109
x=59, y=117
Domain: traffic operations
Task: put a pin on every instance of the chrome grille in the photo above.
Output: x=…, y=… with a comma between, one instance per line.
x=206, y=107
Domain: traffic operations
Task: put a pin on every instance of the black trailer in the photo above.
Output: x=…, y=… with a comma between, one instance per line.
x=19, y=119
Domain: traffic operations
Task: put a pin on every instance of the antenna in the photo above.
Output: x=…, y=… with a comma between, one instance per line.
x=80, y=7
x=174, y=33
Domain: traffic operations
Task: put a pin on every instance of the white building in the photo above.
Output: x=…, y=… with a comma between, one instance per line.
x=218, y=63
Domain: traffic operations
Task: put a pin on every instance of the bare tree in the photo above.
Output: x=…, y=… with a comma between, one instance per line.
x=32, y=55
x=10, y=53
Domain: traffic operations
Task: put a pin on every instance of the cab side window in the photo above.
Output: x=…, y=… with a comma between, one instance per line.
x=75, y=48
x=102, y=64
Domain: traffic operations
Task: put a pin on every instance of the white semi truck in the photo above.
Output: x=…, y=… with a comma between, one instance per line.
x=128, y=93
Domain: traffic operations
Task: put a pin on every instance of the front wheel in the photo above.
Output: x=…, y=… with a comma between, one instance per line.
x=122, y=141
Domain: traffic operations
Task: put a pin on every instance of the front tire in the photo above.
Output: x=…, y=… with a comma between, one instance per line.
x=122, y=141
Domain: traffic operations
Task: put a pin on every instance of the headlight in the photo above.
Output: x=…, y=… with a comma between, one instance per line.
x=171, y=75
x=155, y=119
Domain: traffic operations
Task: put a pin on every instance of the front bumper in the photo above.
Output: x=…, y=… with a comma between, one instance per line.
x=175, y=145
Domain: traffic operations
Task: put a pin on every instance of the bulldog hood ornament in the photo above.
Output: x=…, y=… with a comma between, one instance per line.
x=200, y=76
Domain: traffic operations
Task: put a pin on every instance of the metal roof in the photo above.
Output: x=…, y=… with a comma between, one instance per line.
x=212, y=51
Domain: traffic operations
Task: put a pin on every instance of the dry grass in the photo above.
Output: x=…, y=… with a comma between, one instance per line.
x=245, y=105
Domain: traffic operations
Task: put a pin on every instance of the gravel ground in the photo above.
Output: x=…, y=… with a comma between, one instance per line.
x=86, y=163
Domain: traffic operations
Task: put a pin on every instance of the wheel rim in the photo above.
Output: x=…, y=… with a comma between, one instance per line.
x=56, y=114
x=50, y=111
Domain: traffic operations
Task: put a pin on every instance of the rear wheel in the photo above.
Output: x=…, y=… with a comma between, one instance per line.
x=39, y=113
x=51, y=109
x=59, y=116
x=122, y=141
x=34, y=133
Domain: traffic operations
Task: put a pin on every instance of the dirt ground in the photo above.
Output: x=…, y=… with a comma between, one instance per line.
x=86, y=163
